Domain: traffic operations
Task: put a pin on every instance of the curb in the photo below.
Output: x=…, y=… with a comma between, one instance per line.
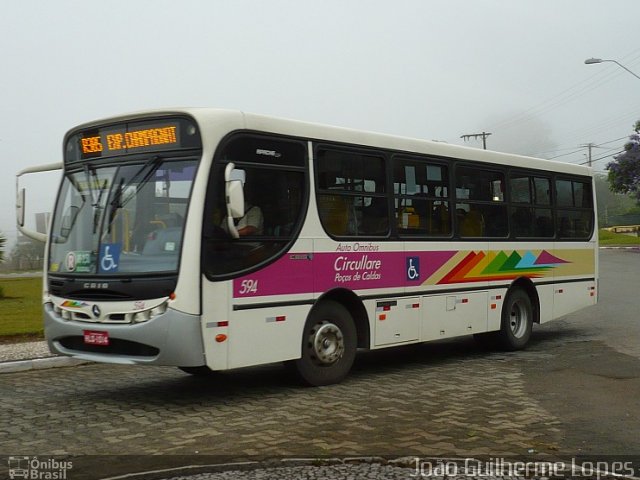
x=39, y=364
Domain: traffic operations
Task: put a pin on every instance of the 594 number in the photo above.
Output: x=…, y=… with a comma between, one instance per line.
x=248, y=286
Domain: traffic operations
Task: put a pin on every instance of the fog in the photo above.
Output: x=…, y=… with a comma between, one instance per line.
x=422, y=68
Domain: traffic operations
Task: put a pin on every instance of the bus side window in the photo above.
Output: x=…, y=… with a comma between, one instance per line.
x=472, y=224
x=334, y=212
x=351, y=195
x=375, y=217
x=522, y=221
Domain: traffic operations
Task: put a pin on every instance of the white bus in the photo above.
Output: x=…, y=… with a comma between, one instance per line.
x=212, y=240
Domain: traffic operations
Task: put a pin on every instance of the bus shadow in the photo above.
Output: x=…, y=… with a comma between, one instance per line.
x=173, y=387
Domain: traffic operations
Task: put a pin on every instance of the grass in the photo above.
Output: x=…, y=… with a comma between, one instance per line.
x=21, y=308
x=609, y=238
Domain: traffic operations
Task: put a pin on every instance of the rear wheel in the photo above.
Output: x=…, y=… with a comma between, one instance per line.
x=328, y=345
x=517, y=320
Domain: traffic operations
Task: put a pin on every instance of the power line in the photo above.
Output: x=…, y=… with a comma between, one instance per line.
x=565, y=154
x=611, y=141
x=590, y=83
x=603, y=157
x=603, y=124
x=554, y=150
x=578, y=151
x=559, y=100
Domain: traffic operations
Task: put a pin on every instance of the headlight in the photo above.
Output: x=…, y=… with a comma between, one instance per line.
x=142, y=316
x=159, y=310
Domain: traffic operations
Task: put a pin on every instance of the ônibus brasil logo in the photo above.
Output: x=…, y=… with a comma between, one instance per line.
x=33, y=468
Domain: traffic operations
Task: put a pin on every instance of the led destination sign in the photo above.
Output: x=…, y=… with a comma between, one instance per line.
x=114, y=142
x=134, y=137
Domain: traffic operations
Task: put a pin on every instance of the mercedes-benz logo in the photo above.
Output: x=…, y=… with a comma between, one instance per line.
x=96, y=311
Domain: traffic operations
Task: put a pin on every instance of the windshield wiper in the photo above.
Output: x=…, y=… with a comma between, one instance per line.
x=151, y=165
x=89, y=186
x=90, y=174
x=116, y=203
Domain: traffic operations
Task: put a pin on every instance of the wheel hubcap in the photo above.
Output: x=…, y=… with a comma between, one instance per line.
x=327, y=343
x=518, y=319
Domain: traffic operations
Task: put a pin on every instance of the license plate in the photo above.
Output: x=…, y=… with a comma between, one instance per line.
x=92, y=337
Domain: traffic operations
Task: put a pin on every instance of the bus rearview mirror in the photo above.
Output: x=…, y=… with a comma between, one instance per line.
x=234, y=190
x=20, y=206
x=234, y=195
x=235, y=199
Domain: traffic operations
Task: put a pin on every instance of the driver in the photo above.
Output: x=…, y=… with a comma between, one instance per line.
x=250, y=224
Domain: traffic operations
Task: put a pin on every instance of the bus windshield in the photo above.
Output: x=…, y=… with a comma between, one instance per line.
x=121, y=219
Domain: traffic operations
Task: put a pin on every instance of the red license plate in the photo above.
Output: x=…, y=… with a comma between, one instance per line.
x=92, y=337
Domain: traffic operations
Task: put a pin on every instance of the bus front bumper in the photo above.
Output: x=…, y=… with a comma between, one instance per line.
x=173, y=338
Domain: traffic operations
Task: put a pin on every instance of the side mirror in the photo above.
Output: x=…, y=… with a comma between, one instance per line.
x=20, y=207
x=234, y=195
x=21, y=202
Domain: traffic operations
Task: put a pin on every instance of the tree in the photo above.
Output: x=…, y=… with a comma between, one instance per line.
x=624, y=170
x=28, y=254
x=614, y=208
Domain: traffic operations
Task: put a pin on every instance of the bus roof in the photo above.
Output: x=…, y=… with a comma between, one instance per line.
x=239, y=120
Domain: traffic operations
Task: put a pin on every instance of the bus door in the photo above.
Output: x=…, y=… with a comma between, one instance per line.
x=256, y=202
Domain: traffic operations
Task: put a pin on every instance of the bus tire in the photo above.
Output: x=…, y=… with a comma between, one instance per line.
x=517, y=320
x=329, y=342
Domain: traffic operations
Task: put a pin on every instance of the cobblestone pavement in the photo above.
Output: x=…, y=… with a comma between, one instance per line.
x=329, y=472
x=24, y=351
x=430, y=399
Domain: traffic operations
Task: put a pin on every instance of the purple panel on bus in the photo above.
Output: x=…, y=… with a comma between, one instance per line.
x=307, y=273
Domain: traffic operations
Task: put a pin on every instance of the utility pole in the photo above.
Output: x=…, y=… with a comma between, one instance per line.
x=475, y=136
x=589, y=146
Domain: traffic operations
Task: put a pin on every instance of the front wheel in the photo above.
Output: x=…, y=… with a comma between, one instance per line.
x=328, y=345
x=517, y=320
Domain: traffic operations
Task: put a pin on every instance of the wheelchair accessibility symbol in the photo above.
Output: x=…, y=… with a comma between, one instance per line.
x=109, y=257
x=413, y=268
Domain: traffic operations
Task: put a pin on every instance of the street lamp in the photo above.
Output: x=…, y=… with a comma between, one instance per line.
x=590, y=61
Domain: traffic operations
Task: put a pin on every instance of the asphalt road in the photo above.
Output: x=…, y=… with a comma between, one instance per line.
x=592, y=382
x=574, y=391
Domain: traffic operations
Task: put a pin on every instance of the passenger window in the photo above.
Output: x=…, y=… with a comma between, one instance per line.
x=482, y=220
x=526, y=220
x=480, y=208
x=575, y=217
x=520, y=192
x=352, y=197
x=542, y=190
x=582, y=197
x=564, y=193
x=479, y=184
x=421, y=197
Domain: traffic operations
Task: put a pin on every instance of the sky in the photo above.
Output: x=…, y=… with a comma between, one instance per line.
x=432, y=69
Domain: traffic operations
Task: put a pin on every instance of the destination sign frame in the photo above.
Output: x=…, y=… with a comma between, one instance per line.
x=132, y=137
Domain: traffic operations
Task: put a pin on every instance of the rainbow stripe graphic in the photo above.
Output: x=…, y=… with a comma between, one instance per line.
x=73, y=304
x=497, y=265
